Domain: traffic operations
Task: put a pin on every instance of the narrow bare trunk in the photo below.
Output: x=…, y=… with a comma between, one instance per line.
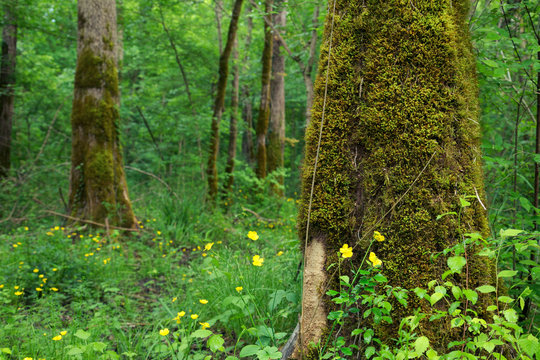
x=98, y=189
x=233, y=128
x=7, y=84
x=308, y=69
x=276, y=128
x=220, y=101
x=247, y=108
x=264, y=107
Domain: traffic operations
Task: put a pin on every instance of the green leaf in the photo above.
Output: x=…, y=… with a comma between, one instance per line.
x=507, y=273
x=456, y=291
x=505, y=299
x=526, y=204
x=464, y=203
x=485, y=289
x=249, y=350
x=456, y=263
x=98, y=346
x=490, y=63
x=510, y=315
x=509, y=233
x=369, y=352
x=81, y=334
x=6, y=351
x=231, y=358
x=201, y=333
x=421, y=345
x=345, y=279
x=445, y=214
x=75, y=351
x=380, y=278
x=215, y=343
x=491, y=308
x=529, y=344
x=432, y=354
x=471, y=295
x=435, y=297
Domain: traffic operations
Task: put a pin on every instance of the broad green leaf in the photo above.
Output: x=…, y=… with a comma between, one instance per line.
x=490, y=63
x=81, y=334
x=201, y=333
x=507, y=273
x=432, y=354
x=505, y=299
x=98, y=346
x=456, y=263
x=509, y=233
x=485, y=289
x=231, y=358
x=421, y=345
x=6, y=351
x=471, y=295
x=529, y=344
x=249, y=350
x=510, y=315
x=215, y=343
x=75, y=351
x=369, y=352
x=435, y=297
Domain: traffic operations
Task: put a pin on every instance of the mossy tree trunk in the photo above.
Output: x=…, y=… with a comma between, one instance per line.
x=276, y=128
x=397, y=91
x=98, y=189
x=212, y=170
x=7, y=85
x=247, y=107
x=264, y=106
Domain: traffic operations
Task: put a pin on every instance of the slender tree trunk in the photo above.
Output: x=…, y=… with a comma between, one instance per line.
x=264, y=107
x=220, y=101
x=233, y=128
x=276, y=128
x=247, y=107
x=7, y=85
x=218, y=11
x=392, y=145
x=308, y=69
x=98, y=189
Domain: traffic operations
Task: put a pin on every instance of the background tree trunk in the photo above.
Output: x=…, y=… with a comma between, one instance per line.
x=396, y=97
x=264, y=107
x=98, y=189
x=233, y=128
x=276, y=128
x=7, y=84
x=220, y=101
x=247, y=108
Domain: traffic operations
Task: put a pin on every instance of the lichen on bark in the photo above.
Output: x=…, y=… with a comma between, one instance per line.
x=399, y=144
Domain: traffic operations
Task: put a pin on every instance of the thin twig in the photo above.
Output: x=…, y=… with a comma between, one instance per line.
x=88, y=221
x=155, y=177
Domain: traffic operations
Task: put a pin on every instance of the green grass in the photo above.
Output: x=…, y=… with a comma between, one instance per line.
x=113, y=293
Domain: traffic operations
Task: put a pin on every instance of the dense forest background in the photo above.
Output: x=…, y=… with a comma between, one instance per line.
x=168, y=81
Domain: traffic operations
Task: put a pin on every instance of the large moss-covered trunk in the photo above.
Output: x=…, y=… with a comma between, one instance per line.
x=98, y=189
x=399, y=147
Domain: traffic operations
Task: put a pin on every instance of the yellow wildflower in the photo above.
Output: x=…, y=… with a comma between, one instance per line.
x=164, y=332
x=1, y=286
x=203, y=301
x=16, y=287
x=208, y=246
x=253, y=235
x=374, y=259
x=54, y=289
x=63, y=332
x=239, y=288
x=194, y=316
x=346, y=251
x=27, y=358
x=257, y=260
x=279, y=253
x=39, y=289
x=18, y=293
x=204, y=325
x=377, y=236
x=181, y=313
x=36, y=270
x=57, y=338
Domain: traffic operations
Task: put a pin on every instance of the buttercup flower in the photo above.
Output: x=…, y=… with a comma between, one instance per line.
x=253, y=235
x=174, y=299
x=346, y=251
x=164, y=332
x=377, y=236
x=57, y=338
x=239, y=288
x=203, y=301
x=36, y=270
x=194, y=316
x=279, y=253
x=204, y=325
x=208, y=246
x=63, y=333
x=257, y=260
x=181, y=313
x=374, y=259
x=18, y=293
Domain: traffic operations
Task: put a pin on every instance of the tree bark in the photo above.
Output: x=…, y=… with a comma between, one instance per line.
x=276, y=128
x=264, y=107
x=98, y=188
x=392, y=144
x=7, y=87
x=247, y=108
x=233, y=128
x=212, y=171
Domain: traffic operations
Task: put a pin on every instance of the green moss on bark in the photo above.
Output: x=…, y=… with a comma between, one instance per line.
x=401, y=97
